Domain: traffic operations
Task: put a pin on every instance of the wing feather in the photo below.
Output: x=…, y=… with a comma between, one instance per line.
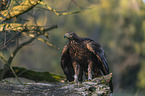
x=66, y=64
x=98, y=51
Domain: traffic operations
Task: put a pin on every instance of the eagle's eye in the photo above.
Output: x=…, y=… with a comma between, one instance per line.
x=68, y=35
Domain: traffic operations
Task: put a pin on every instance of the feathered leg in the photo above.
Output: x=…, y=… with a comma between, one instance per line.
x=76, y=69
x=90, y=70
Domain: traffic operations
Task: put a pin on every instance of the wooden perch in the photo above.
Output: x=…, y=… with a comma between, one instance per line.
x=18, y=10
x=103, y=79
x=87, y=88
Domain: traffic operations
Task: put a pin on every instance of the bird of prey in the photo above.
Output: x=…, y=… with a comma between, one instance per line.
x=83, y=56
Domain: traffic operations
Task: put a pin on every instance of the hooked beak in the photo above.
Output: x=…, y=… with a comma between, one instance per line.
x=67, y=35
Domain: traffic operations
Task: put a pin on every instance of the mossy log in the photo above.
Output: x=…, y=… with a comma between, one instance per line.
x=33, y=75
x=94, y=87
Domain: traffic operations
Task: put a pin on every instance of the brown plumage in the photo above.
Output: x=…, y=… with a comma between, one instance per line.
x=83, y=56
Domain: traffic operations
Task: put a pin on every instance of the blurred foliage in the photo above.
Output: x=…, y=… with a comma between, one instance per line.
x=118, y=25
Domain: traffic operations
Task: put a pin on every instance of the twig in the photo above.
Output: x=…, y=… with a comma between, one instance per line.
x=7, y=42
x=16, y=75
x=56, y=12
x=43, y=40
x=18, y=10
x=6, y=68
x=76, y=4
x=12, y=70
x=13, y=55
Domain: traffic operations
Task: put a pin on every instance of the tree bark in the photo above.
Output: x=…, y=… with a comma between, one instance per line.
x=18, y=10
x=95, y=87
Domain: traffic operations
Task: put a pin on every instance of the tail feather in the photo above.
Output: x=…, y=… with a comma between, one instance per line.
x=111, y=85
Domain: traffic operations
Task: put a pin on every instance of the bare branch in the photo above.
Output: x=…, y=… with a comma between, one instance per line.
x=6, y=67
x=11, y=70
x=17, y=27
x=56, y=12
x=42, y=40
x=18, y=10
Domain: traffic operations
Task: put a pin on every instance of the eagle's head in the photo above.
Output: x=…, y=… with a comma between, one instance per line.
x=71, y=35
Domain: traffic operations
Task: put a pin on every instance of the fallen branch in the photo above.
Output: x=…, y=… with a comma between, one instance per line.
x=87, y=88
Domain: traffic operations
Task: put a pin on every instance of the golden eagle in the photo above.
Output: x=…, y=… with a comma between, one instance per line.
x=83, y=56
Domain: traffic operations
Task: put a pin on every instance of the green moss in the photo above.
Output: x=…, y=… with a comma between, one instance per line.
x=36, y=76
